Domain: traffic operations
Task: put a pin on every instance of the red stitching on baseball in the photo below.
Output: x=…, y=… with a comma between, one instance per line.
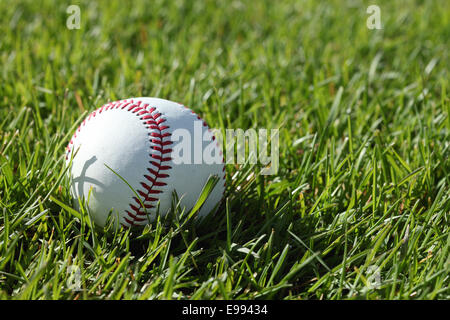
x=160, y=135
x=137, y=109
x=138, y=209
x=134, y=216
x=130, y=222
x=161, y=143
x=152, y=121
x=146, y=196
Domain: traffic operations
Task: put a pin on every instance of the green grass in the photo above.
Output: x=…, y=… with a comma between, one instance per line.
x=359, y=208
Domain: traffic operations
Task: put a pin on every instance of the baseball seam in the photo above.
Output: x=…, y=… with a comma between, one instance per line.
x=153, y=121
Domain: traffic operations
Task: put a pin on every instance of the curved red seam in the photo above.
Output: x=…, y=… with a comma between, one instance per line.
x=153, y=124
x=151, y=121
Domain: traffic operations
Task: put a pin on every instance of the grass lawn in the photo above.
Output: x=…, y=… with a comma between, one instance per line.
x=359, y=208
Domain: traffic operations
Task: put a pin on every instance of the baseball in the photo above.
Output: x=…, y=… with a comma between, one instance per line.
x=125, y=160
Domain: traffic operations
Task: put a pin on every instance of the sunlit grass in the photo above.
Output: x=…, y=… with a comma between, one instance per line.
x=359, y=208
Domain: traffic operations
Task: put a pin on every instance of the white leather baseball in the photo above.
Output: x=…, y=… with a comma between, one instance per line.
x=133, y=137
